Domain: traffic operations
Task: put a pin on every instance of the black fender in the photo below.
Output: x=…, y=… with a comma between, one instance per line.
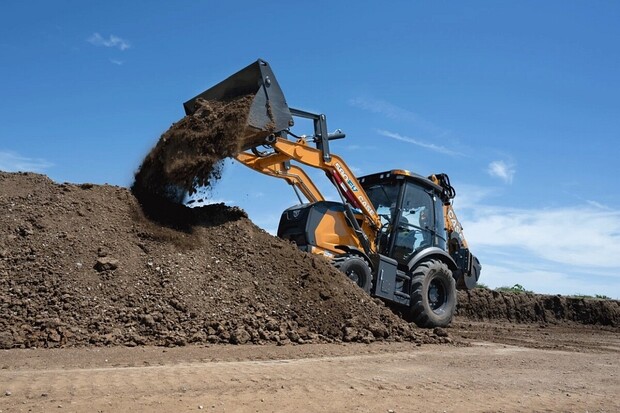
x=432, y=253
x=356, y=251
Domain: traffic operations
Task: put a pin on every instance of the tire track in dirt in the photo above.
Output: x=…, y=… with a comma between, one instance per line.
x=435, y=378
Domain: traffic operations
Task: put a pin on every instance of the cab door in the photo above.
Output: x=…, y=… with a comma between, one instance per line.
x=415, y=223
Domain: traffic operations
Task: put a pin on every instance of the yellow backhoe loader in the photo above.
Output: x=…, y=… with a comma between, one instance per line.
x=393, y=233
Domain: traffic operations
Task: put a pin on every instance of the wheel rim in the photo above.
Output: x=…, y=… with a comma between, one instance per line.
x=355, y=277
x=437, y=296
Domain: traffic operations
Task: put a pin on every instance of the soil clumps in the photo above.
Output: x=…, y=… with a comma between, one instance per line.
x=190, y=153
x=483, y=304
x=81, y=265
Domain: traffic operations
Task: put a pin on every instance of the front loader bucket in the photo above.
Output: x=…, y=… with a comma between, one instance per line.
x=268, y=111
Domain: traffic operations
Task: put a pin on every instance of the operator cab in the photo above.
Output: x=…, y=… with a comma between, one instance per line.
x=411, y=213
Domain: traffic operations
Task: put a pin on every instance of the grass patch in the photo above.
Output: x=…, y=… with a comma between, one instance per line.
x=517, y=288
x=591, y=297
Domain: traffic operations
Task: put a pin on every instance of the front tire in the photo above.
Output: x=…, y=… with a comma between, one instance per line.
x=356, y=269
x=433, y=295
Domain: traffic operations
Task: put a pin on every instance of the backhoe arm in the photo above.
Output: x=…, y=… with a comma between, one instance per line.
x=453, y=225
x=469, y=266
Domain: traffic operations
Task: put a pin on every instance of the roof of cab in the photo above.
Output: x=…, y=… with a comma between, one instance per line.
x=410, y=176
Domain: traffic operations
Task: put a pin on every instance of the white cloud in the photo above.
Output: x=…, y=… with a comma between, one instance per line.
x=112, y=41
x=361, y=148
x=580, y=236
x=116, y=62
x=425, y=145
x=503, y=170
x=392, y=111
x=356, y=171
x=384, y=108
x=546, y=281
x=566, y=250
x=471, y=196
x=13, y=162
x=598, y=205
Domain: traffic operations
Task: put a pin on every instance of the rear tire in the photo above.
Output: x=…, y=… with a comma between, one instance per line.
x=433, y=295
x=356, y=269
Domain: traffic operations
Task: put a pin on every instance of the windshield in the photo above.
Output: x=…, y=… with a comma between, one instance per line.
x=415, y=225
x=383, y=198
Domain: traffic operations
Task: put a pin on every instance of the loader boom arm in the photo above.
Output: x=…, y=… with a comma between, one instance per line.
x=277, y=165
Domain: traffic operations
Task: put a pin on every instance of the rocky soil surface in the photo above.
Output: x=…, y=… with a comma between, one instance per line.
x=81, y=265
x=484, y=305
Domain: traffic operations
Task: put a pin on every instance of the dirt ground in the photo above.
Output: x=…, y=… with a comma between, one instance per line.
x=490, y=367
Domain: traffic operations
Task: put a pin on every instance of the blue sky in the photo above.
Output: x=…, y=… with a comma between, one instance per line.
x=518, y=101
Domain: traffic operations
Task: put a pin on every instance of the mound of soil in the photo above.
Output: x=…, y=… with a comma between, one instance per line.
x=484, y=304
x=81, y=265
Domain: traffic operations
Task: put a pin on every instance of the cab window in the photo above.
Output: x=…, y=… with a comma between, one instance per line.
x=414, y=231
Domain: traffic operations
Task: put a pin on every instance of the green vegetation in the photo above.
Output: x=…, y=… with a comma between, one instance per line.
x=594, y=297
x=517, y=288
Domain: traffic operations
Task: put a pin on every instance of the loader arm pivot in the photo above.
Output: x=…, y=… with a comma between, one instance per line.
x=343, y=177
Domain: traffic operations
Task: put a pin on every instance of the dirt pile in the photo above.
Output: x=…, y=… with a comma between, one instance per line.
x=81, y=265
x=484, y=304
